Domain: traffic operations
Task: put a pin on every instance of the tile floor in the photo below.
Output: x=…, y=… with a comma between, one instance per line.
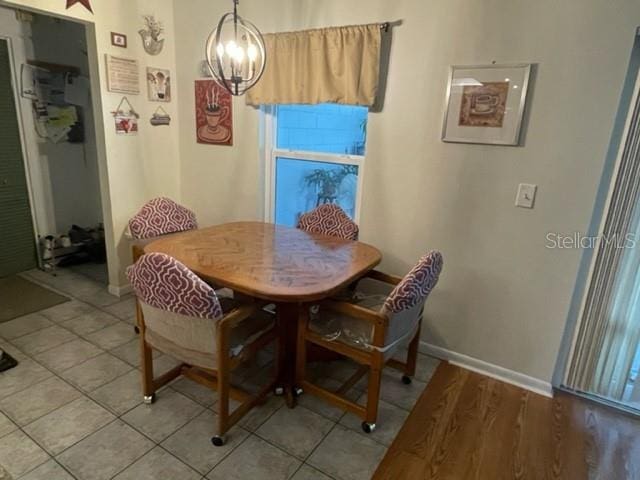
x=73, y=409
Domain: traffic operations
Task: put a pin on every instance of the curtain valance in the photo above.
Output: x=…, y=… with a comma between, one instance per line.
x=338, y=64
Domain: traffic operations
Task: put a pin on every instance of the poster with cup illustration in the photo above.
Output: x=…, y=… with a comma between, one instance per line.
x=159, y=84
x=214, y=121
x=485, y=104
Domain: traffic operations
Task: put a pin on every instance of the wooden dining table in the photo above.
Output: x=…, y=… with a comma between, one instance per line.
x=282, y=265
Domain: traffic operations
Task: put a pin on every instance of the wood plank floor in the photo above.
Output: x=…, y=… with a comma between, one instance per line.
x=468, y=426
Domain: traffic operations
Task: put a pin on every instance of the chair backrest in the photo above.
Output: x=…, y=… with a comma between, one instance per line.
x=329, y=219
x=405, y=303
x=161, y=216
x=179, y=309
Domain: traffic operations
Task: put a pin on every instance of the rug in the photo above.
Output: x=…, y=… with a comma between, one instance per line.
x=19, y=297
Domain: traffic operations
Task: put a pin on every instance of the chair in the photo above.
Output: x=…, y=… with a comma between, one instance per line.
x=182, y=317
x=158, y=217
x=329, y=219
x=369, y=329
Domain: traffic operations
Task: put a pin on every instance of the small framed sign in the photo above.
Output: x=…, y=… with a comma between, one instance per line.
x=122, y=75
x=118, y=40
x=485, y=104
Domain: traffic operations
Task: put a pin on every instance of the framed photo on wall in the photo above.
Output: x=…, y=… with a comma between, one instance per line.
x=214, y=110
x=486, y=103
x=159, y=84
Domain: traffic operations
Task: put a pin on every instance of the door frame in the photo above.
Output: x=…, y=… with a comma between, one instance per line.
x=15, y=82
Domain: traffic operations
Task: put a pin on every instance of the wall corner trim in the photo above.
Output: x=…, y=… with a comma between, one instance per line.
x=489, y=369
x=120, y=291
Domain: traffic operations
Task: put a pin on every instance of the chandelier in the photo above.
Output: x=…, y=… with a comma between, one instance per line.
x=235, y=53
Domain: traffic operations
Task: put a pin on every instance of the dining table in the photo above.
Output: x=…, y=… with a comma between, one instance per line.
x=288, y=267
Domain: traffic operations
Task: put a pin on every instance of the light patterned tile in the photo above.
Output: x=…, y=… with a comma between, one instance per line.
x=296, y=430
x=255, y=459
x=345, y=454
x=106, y=452
x=124, y=309
x=308, y=473
x=112, y=336
x=168, y=413
x=67, y=310
x=43, y=340
x=130, y=352
x=19, y=454
x=67, y=425
x=21, y=326
x=205, y=396
x=95, y=372
x=121, y=394
x=27, y=373
x=89, y=322
x=6, y=425
x=192, y=443
x=68, y=355
x=50, y=470
x=389, y=422
x=158, y=463
x=38, y=400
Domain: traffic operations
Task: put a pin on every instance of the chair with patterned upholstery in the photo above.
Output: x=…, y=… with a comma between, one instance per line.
x=158, y=217
x=329, y=219
x=183, y=317
x=369, y=329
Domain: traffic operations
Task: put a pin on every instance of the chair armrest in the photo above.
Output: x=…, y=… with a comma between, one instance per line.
x=383, y=277
x=356, y=311
x=237, y=315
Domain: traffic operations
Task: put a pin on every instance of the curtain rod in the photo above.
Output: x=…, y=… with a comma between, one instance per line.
x=384, y=26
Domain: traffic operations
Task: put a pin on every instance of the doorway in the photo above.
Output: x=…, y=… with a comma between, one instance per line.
x=53, y=87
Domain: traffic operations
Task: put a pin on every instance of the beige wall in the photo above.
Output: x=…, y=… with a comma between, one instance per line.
x=132, y=169
x=503, y=297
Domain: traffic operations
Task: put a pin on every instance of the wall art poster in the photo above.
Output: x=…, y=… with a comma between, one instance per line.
x=214, y=120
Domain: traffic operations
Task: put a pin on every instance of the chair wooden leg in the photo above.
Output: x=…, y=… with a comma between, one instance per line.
x=373, y=393
x=223, y=386
x=301, y=346
x=146, y=357
x=412, y=356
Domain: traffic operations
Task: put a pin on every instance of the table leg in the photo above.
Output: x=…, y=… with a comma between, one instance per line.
x=288, y=324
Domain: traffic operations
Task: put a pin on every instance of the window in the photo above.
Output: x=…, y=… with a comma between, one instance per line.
x=316, y=155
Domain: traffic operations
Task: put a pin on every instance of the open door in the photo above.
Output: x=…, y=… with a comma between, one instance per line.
x=17, y=242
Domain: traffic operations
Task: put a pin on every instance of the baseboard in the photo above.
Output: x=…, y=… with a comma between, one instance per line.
x=120, y=291
x=490, y=370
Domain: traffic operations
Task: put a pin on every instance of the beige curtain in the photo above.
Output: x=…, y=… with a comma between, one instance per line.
x=338, y=65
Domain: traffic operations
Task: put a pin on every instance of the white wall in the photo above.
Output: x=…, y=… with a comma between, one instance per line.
x=137, y=168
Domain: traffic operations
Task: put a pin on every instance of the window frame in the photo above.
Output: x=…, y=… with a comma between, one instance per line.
x=270, y=153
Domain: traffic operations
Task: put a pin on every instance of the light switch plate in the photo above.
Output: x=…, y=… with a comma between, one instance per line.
x=526, y=195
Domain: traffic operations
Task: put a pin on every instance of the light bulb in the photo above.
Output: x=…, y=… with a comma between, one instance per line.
x=252, y=52
x=231, y=48
x=238, y=54
x=220, y=50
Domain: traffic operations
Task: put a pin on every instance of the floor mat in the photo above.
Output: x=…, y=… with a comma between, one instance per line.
x=19, y=297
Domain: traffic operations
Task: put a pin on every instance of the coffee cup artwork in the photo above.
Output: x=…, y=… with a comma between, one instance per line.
x=214, y=121
x=484, y=105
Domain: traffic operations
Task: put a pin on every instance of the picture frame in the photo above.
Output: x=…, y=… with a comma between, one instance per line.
x=214, y=113
x=118, y=40
x=485, y=104
x=158, y=84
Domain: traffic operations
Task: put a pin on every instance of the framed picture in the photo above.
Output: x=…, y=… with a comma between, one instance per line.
x=159, y=84
x=214, y=121
x=122, y=75
x=118, y=40
x=485, y=104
